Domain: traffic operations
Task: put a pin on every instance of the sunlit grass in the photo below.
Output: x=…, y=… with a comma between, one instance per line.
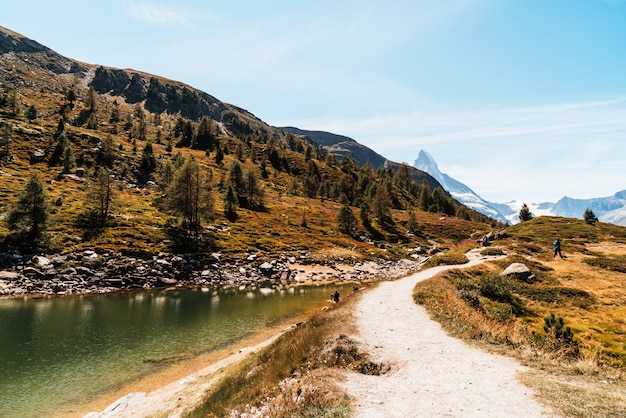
x=589, y=298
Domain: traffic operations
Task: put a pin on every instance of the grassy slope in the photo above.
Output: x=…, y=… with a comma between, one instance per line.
x=138, y=224
x=581, y=379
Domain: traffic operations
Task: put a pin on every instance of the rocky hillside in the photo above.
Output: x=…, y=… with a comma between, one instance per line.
x=262, y=190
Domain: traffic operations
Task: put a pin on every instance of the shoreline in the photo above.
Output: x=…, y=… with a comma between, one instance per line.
x=162, y=390
x=42, y=277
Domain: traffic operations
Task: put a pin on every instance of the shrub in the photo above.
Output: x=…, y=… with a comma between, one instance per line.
x=491, y=251
x=496, y=288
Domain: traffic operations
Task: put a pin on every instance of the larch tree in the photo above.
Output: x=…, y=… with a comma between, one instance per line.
x=189, y=195
x=346, y=221
x=101, y=195
x=590, y=217
x=29, y=218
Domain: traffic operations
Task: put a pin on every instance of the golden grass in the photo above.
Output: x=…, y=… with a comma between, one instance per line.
x=294, y=376
x=583, y=380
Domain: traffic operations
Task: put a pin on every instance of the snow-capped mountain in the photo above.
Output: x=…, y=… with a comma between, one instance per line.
x=458, y=190
x=610, y=209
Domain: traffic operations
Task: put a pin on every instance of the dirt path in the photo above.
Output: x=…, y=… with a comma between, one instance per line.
x=432, y=374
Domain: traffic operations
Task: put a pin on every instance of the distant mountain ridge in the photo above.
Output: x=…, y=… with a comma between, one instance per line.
x=343, y=146
x=611, y=209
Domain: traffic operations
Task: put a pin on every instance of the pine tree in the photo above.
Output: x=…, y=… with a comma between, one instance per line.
x=346, y=221
x=525, y=213
x=31, y=214
x=231, y=203
x=589, y=216
x=101, y=195
x=236, y=178
x=69, y=162
x=148, y=161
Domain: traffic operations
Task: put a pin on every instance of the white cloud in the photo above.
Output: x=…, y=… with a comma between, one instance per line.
x=166, y=16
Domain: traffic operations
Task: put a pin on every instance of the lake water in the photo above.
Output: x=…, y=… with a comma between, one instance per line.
x=56, y=352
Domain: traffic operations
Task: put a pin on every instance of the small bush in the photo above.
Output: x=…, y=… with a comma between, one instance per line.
x=496, y=288
x=491, y=251
x=447, y=259
x=472, y=297
x=617, y=263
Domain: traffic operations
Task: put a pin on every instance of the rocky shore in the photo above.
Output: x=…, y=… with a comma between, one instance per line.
x=89, y=272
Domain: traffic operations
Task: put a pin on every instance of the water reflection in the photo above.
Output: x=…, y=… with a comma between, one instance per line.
x=58, y=351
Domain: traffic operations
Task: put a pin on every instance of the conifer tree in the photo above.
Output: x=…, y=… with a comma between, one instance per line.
x=231, y=203
x=411, y=223
x=236, y=178
x=425, y=197
x=69, y=162
x=148, y=161
x=29, y=218
x=6, y=136
x=31, y=112
x=525, y=214
x=189, y=196
x=204, y=135
x=346, y=221
x=589, y=216
x=101, y=195
x=254, y=191
x=365, y=215
x=381, y=205
x=91, y=101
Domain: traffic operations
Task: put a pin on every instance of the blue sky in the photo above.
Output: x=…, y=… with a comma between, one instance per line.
x=519, y=99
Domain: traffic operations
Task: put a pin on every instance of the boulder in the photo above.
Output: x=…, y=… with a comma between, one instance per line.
x=519, y=271
x=164, y=281
x=37, y=155
x=266, y=268
x=10, y=275
x=41, y=261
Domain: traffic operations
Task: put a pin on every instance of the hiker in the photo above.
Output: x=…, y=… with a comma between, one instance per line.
x=557, y=248
x=335, y=297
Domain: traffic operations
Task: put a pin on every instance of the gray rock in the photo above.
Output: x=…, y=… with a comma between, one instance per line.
x=519, y=271
x=10, y=275
x=41, y=261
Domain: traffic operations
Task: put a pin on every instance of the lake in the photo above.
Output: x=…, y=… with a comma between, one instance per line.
x=59, y=352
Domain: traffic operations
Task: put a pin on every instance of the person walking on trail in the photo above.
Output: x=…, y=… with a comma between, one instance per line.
x=557, y=248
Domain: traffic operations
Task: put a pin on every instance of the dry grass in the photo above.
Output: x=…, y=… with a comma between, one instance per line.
x=294, y=376
x=584, y=378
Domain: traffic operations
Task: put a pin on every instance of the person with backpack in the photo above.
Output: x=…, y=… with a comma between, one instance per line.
x=557, y=248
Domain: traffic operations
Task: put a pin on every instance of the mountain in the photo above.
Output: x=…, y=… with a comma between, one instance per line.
x=610, y=209
x=66, y=123
x=343, y=146
x=458, y=190
x=26, y=63
x=161, y=95
x=340, y=145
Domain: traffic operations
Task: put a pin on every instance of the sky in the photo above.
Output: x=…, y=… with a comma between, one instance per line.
x=519, y=99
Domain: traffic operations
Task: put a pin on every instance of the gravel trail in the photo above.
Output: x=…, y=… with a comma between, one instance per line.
x=432, y=374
